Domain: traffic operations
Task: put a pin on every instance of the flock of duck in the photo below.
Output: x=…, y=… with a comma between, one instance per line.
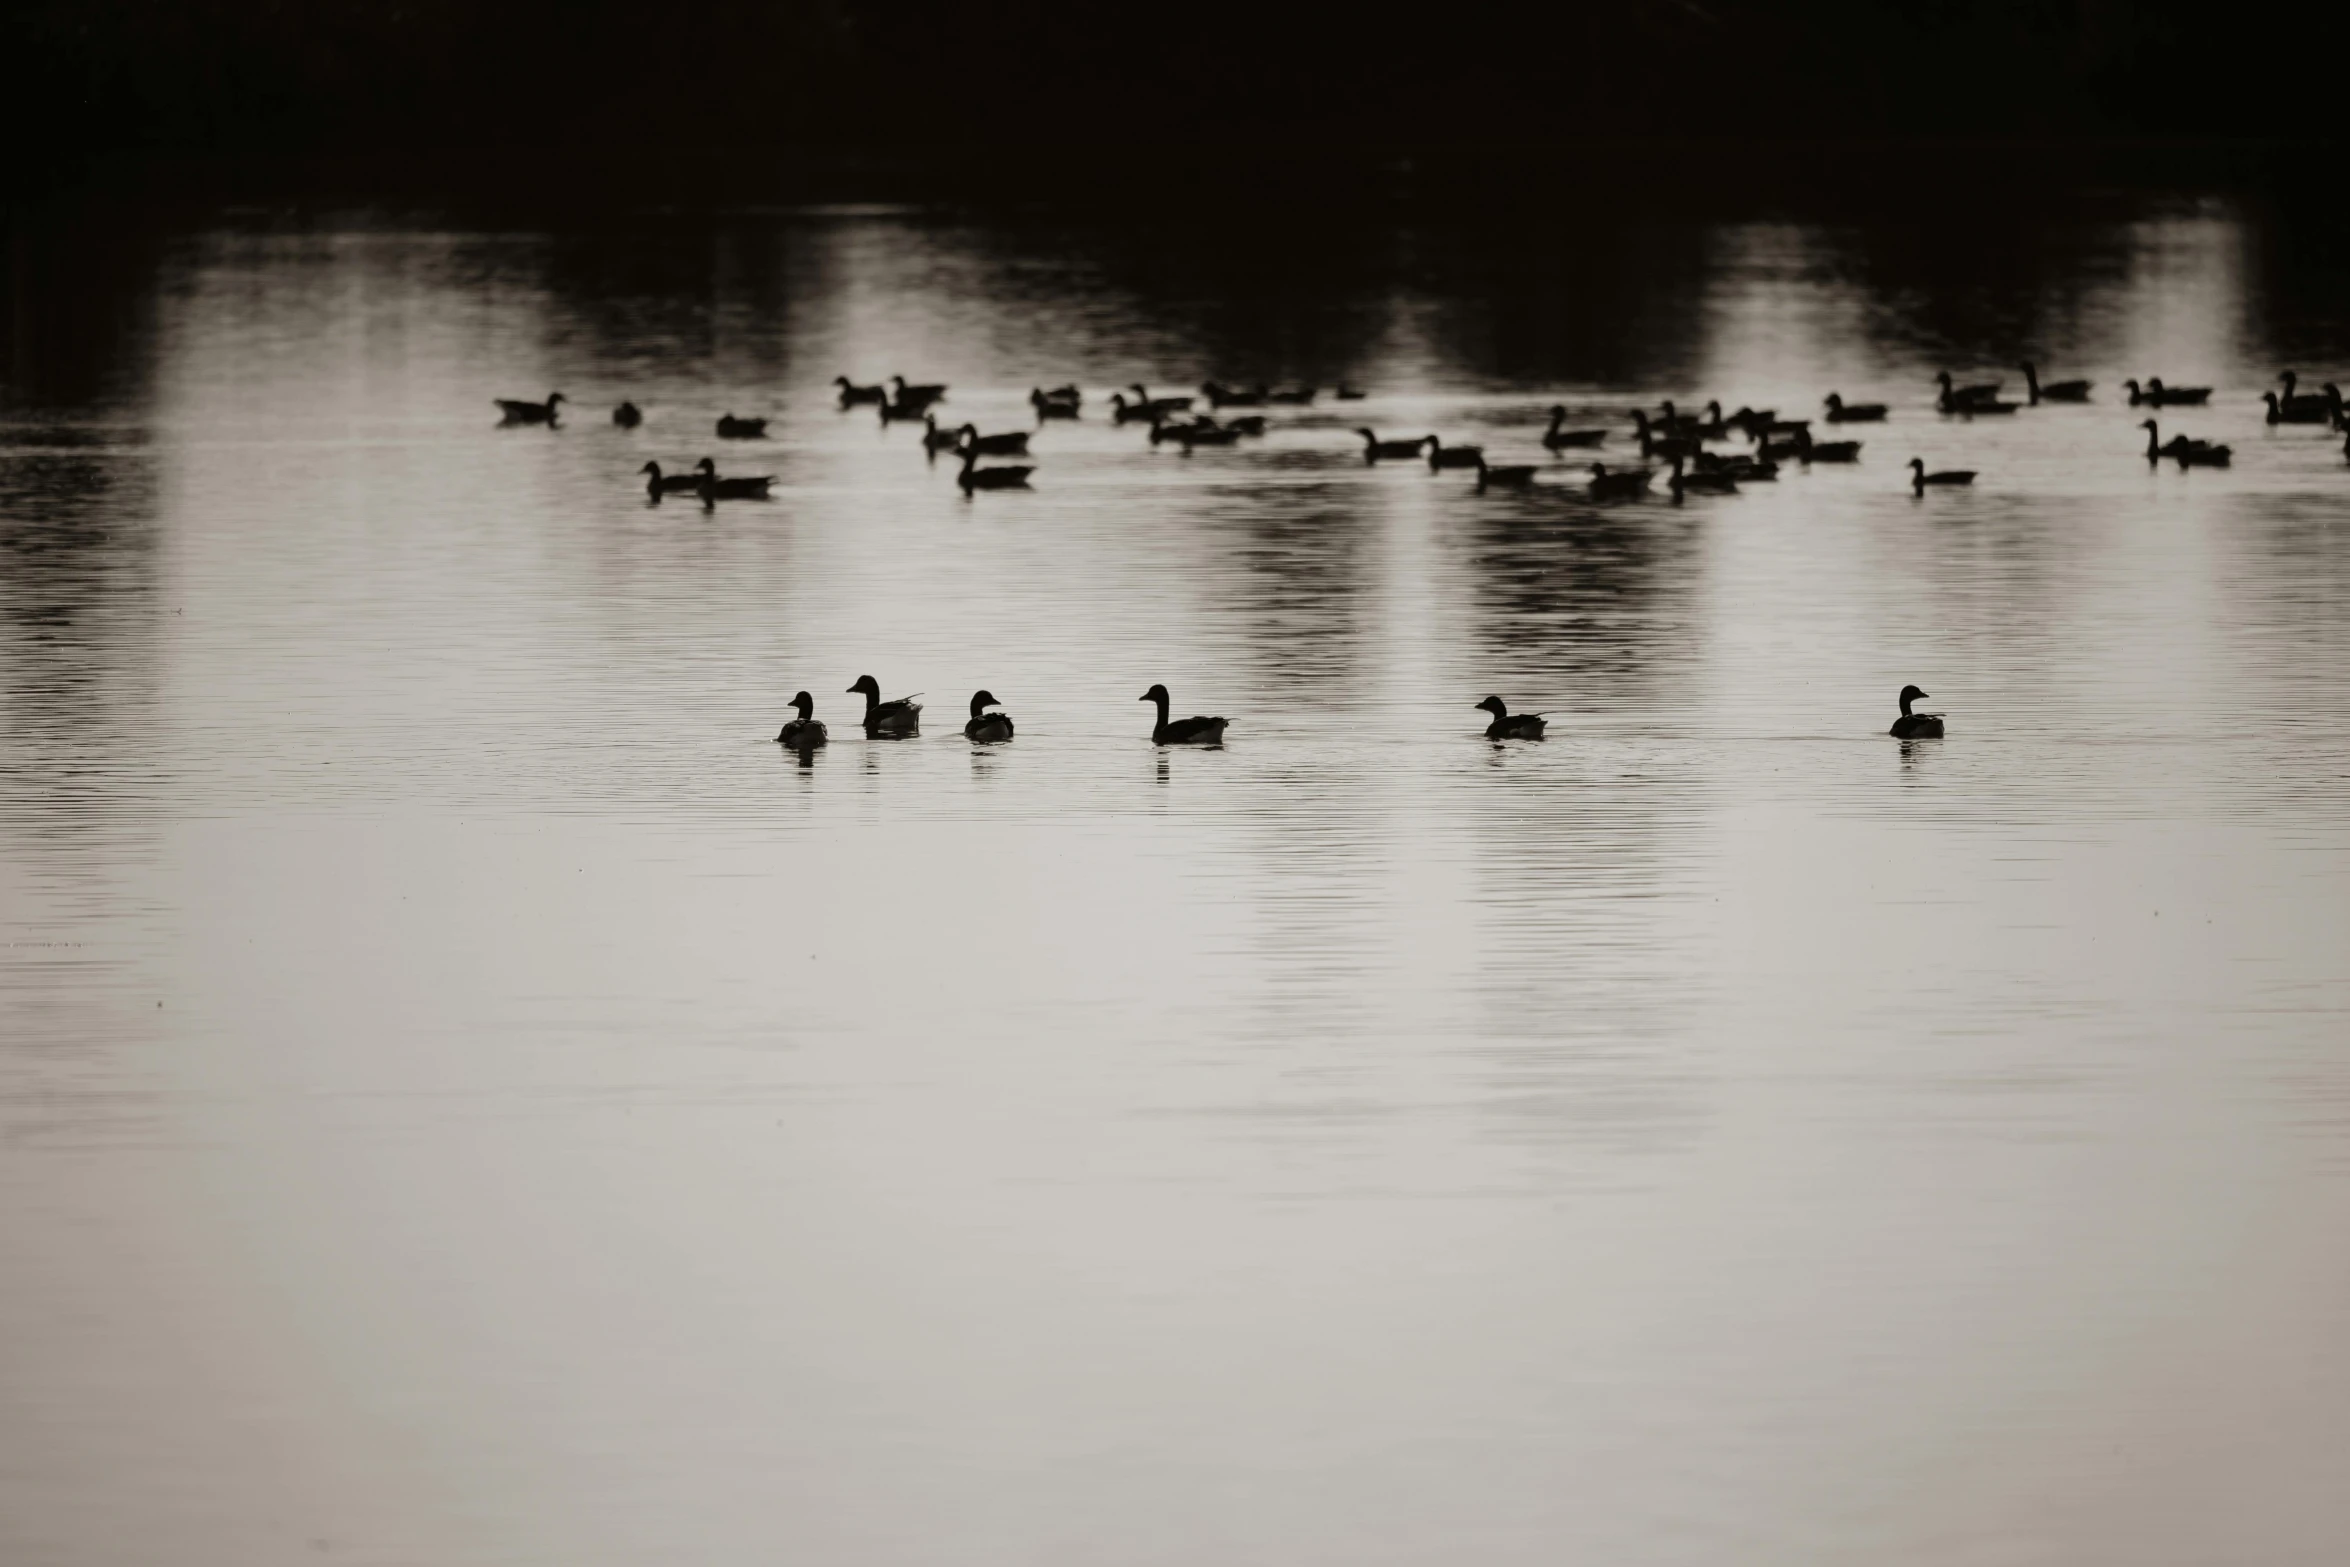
x=1684, y=442
x=1687, y=445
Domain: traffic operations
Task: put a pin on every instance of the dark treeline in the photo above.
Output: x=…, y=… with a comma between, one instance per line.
x=1163, y=82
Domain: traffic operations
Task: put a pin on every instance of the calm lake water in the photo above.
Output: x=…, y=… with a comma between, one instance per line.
x=467, y=1097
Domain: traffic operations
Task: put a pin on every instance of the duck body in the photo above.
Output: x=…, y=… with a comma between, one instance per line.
x=1375, y=450
x=1809, y=451
x=732, y=429
x=988, y=728
x=1842, y=412
x=2155, y=394
x=1621, y=485
x=1293, y=396
x=1443, y=456
x=1181, y=731
x=2308, y=410
x=1062, y=402
x=1919, y=478
x=1012, y=443
x=1145, y=410
x=1559, y=438
x=1956, y=396
x=2188, y=453
x=1516, y=476
x=894, y=720
x=853, y=395
x=658, y=484
x=936, y=440
x=1507, y=725
x=2053, y=391
x=918, y=396
x=1171, y=404
x=974, y=477
x=735, y=487
x=1915, y=726
x=805, y=732
x=628, y=416
x=1221, y=396
x=514, y=411
x=1350, y=394
x=1711, y=481
x=2299, y=406
x=901, y=412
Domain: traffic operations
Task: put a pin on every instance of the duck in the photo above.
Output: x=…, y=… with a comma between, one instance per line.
x=1171, y=404
x=901, y=412
x=896, y=720
x=658, y=484
x=512, y=411
x=974, y=477
x=1980, y=392
x=1915, y=726
x=851, y=394
x=1842, y=412
x=1972, y=400
x=1062, y=402
x=805, y=732
x=2307, y=410
x=2202, y=454
x=1443, y=456
x=1012, y=443
x=1919, y=478
x=1655, y=445
x=2162, y=396
x=987, y=727
x=1742, y=466
x=1507, y=725
x=1808, y=451
x=1292, y=396
x=1246, y=424
x=920, y=396
x=2328, y=399
x=1182, y=731
x=732, y=429
x=1771, y=451
x=1374, y=448
x=1622, y=485
x=628, y=416
x=936, y=440
x=2054, y=391
x=740, y=487
x=1206, y=432
x=1711, y=481
x=1145, y=410
x=1513, y=477
x=1053, y=408
x=1559, y=438
x=1349, y=394
x=2157, y=448
x=1672, y=421
x=1221, y=396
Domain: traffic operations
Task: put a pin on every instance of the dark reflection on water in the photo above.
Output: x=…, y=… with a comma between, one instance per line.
x=448, y=1037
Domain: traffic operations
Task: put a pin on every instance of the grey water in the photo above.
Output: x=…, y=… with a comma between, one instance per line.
x=468, y=1097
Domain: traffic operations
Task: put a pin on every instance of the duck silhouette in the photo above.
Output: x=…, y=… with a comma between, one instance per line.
x=987, y=727
x=1915, y=726
x=1507, y=725
x=1181, y=731
x=804, y=732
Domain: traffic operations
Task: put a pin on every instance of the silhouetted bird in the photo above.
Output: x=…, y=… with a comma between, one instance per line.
x=894, y=720
x=804, y=732
x=512, y=411
x=1915, y=726
x=1182, y=731
x=985, y=726
x=1507, y=725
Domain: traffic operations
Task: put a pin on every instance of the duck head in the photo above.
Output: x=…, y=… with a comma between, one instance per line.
x=1713, y=410
x=805, y=703
x=553, y=398
x=1942, y=379
x=1917, y=465
x=1833, y=401
x=1156, y=693
x=868, y=685
x=1910, y=694
x=652, y=468
x=1494, y=705
x=2136, y=392
x=981, y=701
x=2291, y=380
x=706, y=467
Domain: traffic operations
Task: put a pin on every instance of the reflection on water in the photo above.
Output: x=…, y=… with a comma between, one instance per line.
x=449, y=1046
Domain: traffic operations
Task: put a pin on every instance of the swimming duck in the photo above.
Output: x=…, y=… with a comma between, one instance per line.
x=1171, y=404
x=2327, y=403
x=974, y=477
x=1712, y=481
x=1293, y=396
x=851, y=394
x=901, y=412
x=1742, y=466
x=1672, y=421
x=1221, y=396
x=732, y=429
x=1182, y=731
x=1443, y=456
x=803, y=733
x=2157, y=448
x=628, y=416
x=1013, y=443
x=1206, y=432
x=1915, y=726
x=919, y=396
x=1374, y=448
x=1052, y=409
x=1655, y=445
x=1919, y=478
x=1980, y=392
x=1349, y=394
x=2202, y=454
x=1145, y=410
x=936, y=440
x=1513, y=477
x=1246, y=424
x=2309, y=410
x=1622, y=485
x=2054, y=391
x=741, y=487
x=1062, y=402
x=2162, y=396
x=1558, y=438
x=1842, y=412
x=658, y=484
x=1771, y=451
x=514, y=412
x=1507, y=725
x=887, y=720
x=1808, y=451
x=985, y=726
